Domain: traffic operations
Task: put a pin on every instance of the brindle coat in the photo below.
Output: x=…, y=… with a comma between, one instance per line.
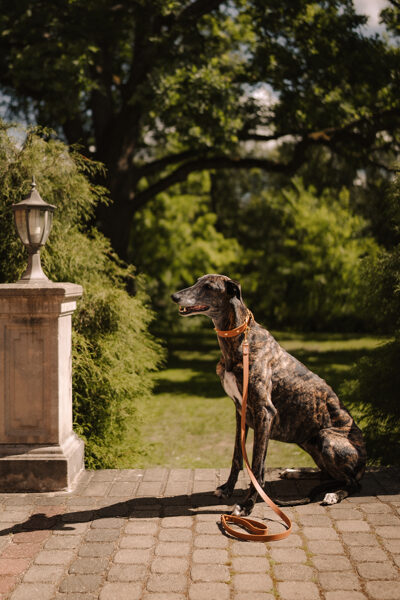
x=286, y=401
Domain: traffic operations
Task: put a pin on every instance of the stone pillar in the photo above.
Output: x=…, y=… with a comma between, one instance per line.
x=38, y=449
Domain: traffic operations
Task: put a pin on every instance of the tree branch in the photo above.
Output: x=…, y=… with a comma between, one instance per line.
x=215, y=162
x=328, y=137
x=161, y=163
x=197, y=9
x=375, y=121
x=380, y=165
x=329, y=134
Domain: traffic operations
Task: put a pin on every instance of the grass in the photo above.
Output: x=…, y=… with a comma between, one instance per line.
x=191, y=422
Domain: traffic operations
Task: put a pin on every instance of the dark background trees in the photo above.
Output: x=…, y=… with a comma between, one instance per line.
x=159, y=89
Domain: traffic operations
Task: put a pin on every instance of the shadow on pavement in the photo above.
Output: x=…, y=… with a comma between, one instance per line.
x=376, y=482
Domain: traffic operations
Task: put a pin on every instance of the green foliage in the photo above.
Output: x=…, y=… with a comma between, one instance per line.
x=379, y=293
x=379, y=296
x=297, y=253
x=175, y=241
x=375, y=381
x=158, y=62
x=373, y=387
x=311, y=52
x=302, y=261
x=203, y=83
x=113, y=354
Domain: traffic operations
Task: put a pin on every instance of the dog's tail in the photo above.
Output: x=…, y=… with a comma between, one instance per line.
x=337, y=490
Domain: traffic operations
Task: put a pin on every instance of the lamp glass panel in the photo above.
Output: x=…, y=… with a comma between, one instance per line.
x=20, y=223
x=36, y=223
x=47, y=225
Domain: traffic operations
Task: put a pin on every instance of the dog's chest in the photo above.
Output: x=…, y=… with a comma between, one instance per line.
x=232, y=390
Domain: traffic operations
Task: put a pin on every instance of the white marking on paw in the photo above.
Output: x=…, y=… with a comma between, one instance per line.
x=331, y=498
x=237, y=510
x=290, y=474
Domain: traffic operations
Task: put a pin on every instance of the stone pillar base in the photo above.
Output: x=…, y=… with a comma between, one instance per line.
x=28, y=468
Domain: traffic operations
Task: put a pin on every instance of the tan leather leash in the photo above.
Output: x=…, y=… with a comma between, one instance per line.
x=258, y=532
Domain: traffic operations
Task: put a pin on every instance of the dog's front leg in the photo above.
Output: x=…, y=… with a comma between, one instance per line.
x=263, y=418
x=226, y=490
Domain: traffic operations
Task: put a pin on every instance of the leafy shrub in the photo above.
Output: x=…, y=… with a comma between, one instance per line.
x=114, y=355
x=374, y=383
x=301, y=266
x=297, y=253
x=175, y=241
x=379, y=292
x=373, y=389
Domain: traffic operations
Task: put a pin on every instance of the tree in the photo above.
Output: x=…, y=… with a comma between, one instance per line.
x=158, y=89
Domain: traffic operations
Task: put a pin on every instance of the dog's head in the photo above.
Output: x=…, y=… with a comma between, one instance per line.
x=210, y=295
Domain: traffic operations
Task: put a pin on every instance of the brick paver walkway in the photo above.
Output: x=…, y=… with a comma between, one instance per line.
x=154, y=535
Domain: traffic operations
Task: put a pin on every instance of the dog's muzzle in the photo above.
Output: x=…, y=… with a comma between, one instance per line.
x=196, y=308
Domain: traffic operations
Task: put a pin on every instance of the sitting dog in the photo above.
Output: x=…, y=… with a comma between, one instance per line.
x=286, y=401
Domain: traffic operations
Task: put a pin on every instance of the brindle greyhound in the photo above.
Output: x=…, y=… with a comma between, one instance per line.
x=286, y=401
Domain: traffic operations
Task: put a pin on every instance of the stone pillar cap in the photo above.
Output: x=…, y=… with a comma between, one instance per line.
x=42, y=288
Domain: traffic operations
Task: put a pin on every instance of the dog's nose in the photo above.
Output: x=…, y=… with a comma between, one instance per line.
x=175, y=297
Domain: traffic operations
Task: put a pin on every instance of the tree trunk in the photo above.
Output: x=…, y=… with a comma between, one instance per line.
x=116, y=150
x=115, y=221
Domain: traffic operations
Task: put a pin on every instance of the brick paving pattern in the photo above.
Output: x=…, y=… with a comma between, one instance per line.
x=154, y=535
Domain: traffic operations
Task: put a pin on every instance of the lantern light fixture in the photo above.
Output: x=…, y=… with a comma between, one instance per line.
x=33, y=219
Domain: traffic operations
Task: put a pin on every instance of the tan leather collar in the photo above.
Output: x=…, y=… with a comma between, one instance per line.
x=237, y=330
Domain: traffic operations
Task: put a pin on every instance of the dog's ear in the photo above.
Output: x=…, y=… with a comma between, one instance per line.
x=234, y=289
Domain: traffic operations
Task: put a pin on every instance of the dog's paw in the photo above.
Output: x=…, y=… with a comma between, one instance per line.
x=329, y=499
x=223, y=491
x=240, y=511
x=290, y=474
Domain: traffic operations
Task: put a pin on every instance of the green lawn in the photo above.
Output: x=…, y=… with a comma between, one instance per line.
x=191, y=422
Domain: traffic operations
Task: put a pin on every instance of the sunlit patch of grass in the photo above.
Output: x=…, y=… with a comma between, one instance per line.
x=191, y=423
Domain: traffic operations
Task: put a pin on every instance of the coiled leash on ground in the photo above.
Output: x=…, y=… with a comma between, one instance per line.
x=258, y=532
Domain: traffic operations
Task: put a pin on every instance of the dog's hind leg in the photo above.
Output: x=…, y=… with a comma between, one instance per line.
x=226, y=490
x=316, y=449
x=303, y=473
x=344, y=458
x=312, y=448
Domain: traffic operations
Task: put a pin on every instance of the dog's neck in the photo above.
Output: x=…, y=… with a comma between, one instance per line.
x=233, y=317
